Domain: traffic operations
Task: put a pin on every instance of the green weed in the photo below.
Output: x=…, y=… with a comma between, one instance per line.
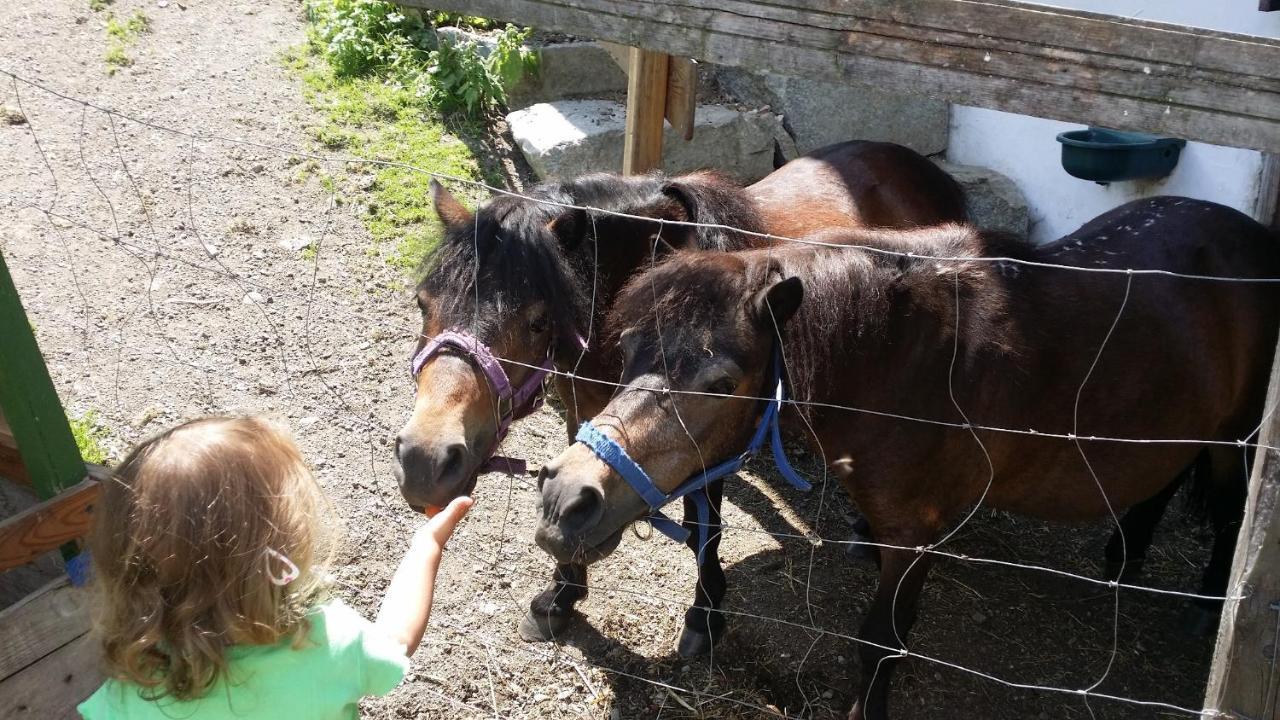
x=382, y=112
x=120, y=35
x=90, y=435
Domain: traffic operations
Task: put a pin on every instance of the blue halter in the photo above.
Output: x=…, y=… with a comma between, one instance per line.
x=615, y=457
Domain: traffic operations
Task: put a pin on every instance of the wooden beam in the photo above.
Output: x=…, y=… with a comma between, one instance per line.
x=44, y=621
x=1003, y=54
x=682, y=96
x=646, y=105
x=51, y=688
x=1267, y=208
x=1238, y=682
x=44, y=527
x=30, y=402
x=682, y=88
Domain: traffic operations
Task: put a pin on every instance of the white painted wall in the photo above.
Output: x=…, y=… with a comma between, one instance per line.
x=1025, y=148
x=1238, y=16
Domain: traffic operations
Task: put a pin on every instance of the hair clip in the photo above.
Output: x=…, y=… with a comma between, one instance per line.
x=291, y=572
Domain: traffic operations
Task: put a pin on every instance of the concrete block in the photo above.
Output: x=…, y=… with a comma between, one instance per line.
x=567, y=71
x=818, y=113
x=993, y=200
x=572, y=137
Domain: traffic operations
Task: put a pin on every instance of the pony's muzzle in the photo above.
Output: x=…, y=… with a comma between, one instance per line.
x=570, y=513
x=432, y=472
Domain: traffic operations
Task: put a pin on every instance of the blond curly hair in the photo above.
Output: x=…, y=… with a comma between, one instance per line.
x=187, y=538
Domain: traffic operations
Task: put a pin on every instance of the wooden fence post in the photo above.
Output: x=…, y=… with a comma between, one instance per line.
x=1245, y=677
x=30, y=405
x=646, y=107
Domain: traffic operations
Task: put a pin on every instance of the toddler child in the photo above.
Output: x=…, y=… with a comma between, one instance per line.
x=209, y=552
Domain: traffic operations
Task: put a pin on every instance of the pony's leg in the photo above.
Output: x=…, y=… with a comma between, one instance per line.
x=902, y=575
x=1137, y=526
x=552, y=609
x=703, y=623
x=1226, y=500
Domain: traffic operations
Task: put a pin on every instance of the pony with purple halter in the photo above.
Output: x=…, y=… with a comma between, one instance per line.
x=513, y=403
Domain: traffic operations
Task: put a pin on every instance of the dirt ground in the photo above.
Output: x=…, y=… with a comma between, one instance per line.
x=198, y=308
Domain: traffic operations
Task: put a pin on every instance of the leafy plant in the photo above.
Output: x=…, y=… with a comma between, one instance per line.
x=461, y=79
x=367, y=36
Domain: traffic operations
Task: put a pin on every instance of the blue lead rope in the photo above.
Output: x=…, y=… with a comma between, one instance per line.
x=617, y=458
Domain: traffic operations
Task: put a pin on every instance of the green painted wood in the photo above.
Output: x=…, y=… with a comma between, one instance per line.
x=30, y=402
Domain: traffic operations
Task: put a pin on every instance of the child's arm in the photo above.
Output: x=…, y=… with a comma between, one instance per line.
x=407, y=605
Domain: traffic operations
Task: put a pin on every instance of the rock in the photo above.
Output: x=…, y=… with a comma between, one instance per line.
x=566, y=71
x=296, y=244
x=572, y=137
x=994, y=201
x=819, y=113
x=12, y=115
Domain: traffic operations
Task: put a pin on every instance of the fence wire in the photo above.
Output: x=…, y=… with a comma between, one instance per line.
x=150, y=255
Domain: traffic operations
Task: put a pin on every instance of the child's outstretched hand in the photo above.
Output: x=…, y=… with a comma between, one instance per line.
x=407, y=604
x=440, y=527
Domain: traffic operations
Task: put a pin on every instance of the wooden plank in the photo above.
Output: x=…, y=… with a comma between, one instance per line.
x=1003, y=54
x=621, y=54
x=41, y=623
x=682, y=95
x=1267, y=208
x=646, y=105
x=44, y=527
x=682, y=88
x=30, y=402
x=1239, y=681
x=51, y=688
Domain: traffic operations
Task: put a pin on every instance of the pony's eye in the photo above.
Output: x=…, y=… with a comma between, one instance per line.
x=723, y=386
x=538, y=324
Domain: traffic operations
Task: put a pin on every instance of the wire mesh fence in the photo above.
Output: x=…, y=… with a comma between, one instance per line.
x=203, y=310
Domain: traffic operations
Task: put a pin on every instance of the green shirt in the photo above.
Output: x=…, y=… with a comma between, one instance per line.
x=343, y=660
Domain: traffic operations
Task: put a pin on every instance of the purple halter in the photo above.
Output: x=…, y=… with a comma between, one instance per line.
x=519, y=402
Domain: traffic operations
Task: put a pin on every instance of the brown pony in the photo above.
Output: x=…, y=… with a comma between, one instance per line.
x=528, y=276
x=985, y=341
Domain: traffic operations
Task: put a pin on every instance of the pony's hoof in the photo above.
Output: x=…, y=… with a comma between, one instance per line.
x=1201, y=621
x=695, y=644
x=543, y=627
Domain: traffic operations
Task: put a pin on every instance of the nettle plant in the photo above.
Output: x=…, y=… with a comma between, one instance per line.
x=375, y=37
x=460, y=78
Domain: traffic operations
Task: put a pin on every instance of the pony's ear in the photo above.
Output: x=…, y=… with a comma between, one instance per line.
x=450, y=211
x=685, y=207
x=570, y=227
x=776, y=304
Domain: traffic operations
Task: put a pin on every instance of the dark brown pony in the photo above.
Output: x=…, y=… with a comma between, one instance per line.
x=528, y=276
x=976, y=342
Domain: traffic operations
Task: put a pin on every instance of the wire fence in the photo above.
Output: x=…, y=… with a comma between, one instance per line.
x=200, y=254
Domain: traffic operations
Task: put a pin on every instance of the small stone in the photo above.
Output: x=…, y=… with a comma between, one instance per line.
x=257, y=168
x=163, y=3
x=979, y=618
x=827, y=694
x=296, y=244
x=253, y=297
x=564, y=694
x=12, y=115
x=210, y=248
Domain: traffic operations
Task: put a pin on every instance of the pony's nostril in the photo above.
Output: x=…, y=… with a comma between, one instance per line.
x=545, y=473
x=452, y=461
x=580, y=512
x=396, y=449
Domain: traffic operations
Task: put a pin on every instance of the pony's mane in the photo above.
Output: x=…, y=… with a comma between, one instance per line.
x=851, y=294
x=511, y=252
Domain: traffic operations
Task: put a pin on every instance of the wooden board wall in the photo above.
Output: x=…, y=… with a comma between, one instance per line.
x=1083, y=67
